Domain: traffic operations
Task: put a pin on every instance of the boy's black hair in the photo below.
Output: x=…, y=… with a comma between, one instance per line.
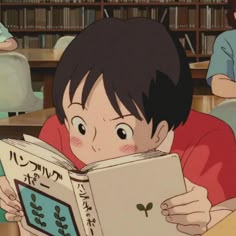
x=141, y=62
x=230, y=13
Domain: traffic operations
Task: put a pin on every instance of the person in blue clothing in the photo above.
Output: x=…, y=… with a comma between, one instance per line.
x=7, y=42
x=221, y=74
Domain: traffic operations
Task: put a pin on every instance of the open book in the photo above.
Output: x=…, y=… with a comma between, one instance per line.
x=119, y=196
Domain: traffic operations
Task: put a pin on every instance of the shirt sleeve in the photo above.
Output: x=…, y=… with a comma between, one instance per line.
x=1, y=170
x=221, y=59
x=4, y=33
x=50, y=133
x=212, y=164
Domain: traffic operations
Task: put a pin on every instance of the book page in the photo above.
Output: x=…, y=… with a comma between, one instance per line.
x=42, y=152
x=44, y=191
x=122, y=160
x=41, y=143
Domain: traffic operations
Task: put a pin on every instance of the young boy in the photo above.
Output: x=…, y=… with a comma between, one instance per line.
x=7, y=42
x=125, y=86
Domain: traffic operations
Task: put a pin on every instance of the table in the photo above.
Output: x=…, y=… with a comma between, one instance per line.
x=43, y=63
x=226, y=227
x=9, y=229
x=31, y=123
x=199, y=69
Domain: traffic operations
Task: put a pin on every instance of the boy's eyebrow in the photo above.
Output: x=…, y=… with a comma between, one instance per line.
x=77, y=103
x=121, y=117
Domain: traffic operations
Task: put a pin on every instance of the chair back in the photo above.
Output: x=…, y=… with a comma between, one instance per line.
x=16, y=92
x=226, y=111
x=63, y=42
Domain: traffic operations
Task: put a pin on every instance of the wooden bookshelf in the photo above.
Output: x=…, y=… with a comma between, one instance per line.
x=38, y=23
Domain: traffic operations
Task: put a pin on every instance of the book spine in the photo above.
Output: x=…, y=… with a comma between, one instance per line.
x=190, y=44
x=86, y=204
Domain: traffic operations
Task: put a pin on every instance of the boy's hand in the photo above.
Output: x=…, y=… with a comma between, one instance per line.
x=190, y=211
x=23, y=232
x=8, y=201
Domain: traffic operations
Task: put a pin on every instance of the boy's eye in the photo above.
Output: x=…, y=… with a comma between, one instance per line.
x=79, y=124
x=124, y=131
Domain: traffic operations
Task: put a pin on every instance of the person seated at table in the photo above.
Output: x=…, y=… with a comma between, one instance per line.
x=7, y=42
x=221, y=75
x=132, y=93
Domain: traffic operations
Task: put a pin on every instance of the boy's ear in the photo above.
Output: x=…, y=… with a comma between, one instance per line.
x=161, y=133
x=66, y=124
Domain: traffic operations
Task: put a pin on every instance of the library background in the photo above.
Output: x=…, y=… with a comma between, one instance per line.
x=39, y=23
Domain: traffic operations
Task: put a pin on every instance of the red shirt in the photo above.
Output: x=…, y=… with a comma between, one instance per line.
x=206, y=147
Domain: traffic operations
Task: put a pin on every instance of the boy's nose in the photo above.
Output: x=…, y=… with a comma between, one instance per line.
x=95, y=134
x=95, y=145
x=95, y=149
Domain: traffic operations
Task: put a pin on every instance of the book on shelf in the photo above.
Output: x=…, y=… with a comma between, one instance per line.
x=207, y=43
x=189, y=44
x=164, y=15
x=211, y=17
x=106, y=13
x=119, y=196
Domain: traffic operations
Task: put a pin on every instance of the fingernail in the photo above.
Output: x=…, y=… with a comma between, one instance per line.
x=164, y=206
x=17, y=207
x=165, y=213
x=17, y=218
x=169, y=218
x=18, y=213
x=12, y=197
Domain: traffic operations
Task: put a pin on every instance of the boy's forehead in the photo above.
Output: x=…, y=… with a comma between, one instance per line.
x=97, y=98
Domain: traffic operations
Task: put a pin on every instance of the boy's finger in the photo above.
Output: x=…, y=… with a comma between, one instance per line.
x=6, y=188
x=12, y=217
x=15, y=204
x=10, y=209
x=198, y=218
x=186, y=209
x=191, y=229
x=179, y=200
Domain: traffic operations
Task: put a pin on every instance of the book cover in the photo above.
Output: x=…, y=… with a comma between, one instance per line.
x=119, y=196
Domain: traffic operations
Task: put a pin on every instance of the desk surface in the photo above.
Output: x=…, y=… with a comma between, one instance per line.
x=199, y=65
x=40, y=57
x=226, y=227
x=36, y=118
x=199, y=69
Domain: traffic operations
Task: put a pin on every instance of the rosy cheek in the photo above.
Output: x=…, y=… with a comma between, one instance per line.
x=75, y=141
x=128, y=148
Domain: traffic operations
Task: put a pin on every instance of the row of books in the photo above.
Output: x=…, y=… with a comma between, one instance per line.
x=38, y=41
x=213, y=17
x=182, y=17
x=56, y=18
x=80, y=17
x=79, y=1
x=46, y=1
x=150, y=1
x=173, y=16
x=207, y=42
x=214, y=1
